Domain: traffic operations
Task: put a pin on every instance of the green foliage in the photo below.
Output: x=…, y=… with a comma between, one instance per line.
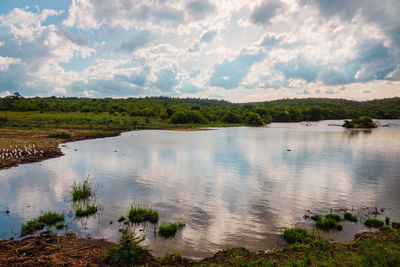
x=231, y=117
x=362, y=122
x=81, y=191
x=170, y=229
x=60, y=225
x=121, y=219
x=396, y=225
x=294, y=235
x=138, y=215
x=326, y=224
x=51, y=218
x=348, y=216
x=254, y=119
x=62, y=135
x=128, y=251
x=31, y=226
x=333, y=216
x=387, y=220
x=85, y=209
x=172, y=259
x=372, y=222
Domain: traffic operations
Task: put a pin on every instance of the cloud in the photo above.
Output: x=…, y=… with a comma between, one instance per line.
x=5, y=62
x=166, y=79
x=199, y=9
x=208, y=36
x=79, y=39
x=265, y=12
x=138, y=40
x=230, y=73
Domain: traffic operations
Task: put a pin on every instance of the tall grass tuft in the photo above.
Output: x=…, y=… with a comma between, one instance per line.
x=82, y=191
x=372, y=222
x=348, y=216
x=294, y=235
x=128, y=251
x=333, y=216
x=51, y=218
x=138, y=215
x=170, y=229
x=85, y=209
x=62, y=135
x=31, y=226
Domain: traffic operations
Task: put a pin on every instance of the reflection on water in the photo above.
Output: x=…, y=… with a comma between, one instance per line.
x=232, y=186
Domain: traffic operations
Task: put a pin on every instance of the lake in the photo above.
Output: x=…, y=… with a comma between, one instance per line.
x=232, y=186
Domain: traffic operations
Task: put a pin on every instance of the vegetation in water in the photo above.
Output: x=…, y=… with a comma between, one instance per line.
x=51, y=218
x=128, y=251
x=85, y=209
x=62, y=135
x=31, y=226
x=328, y=224
x=333, y=216
x=348, y=216
x=362, y=122
x=297, y=235
x=170, y=229
x=121, y=219
x=137, y=214
x=82, y=190
x=372, y=222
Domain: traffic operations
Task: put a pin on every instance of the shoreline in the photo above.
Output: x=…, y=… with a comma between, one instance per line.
x=68, y=249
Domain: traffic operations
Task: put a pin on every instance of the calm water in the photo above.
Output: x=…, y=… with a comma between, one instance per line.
x=232, y=186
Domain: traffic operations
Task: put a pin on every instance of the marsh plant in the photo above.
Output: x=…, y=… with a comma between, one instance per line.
x=83, y=190
x=137, y=214
x=298, y=235
x=372, y=222
x=348, y=216
x=170, y=229
x=46, y=219
x=85, y=209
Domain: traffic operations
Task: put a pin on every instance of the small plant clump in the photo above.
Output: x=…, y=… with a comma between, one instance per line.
x=51, y=218
x=62, y=135
x=362, y=122
x=348, y=216
x=372, y=222
x=128, y=250
x=387, y=220
x=138, y=215
x=333, y=216
x=81, y=191
x=86, y=209
x=170, y=229
x=300, y=235
x=396, y=225
x=327, y=224
x=60, y=225
x=121, y=219
x=316, y=218
x=31, y=226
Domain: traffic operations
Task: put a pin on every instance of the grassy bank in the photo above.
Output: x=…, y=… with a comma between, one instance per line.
x=368, y=249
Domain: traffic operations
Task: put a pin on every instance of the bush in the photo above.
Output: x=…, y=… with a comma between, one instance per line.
x=372, y=222
x=62, y=135
x=230, y=117
x=396, y=225
x=128, y=250
x=348, y=216
x=294, y=235
x=326, y=224
x=254, y=119
x=362, y=122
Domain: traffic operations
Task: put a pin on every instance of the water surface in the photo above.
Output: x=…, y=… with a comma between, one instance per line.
x=232, y=186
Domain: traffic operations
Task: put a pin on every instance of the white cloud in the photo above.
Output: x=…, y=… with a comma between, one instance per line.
x=5, y=62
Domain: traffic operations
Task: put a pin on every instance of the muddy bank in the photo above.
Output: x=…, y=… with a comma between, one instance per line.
x=379, y=248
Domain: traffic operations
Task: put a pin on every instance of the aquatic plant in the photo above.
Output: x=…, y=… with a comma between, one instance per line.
x=333, y=216
x=121, y=219
x=326, y=224
x=82, y=191
x=31, y=226
x=294, y=235
x=128, y=250
x=51, y=218
x=372, y=222
x=316, y=218
x=170, y=229
x=138, y=215
x=85, y=209
x=348, y=216
x=396, y=225
x=60, y=225
x=362, y=122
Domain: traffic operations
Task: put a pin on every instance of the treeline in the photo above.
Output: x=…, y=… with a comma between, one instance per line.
x=203, y=111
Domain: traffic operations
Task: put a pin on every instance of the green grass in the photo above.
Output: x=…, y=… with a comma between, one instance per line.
x=82, y=190
x=121, y=219
x=170, y=229
x=327, y=224
x=31, y=226
x=60, y=225
x=62, y=135
x=138, y=215
x=348, y=216
x=372, y=222
x=294, y=235
x=51, y=218
x=85, y=209
x=128, y=251
x=316, y=218
x=333, y=216
x=396, y=225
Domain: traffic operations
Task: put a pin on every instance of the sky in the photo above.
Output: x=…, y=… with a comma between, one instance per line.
x=239, y=50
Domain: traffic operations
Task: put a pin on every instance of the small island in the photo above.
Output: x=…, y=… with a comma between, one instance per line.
x=364, y=122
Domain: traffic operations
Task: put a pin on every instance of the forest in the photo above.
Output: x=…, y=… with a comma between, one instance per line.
x=168, y=110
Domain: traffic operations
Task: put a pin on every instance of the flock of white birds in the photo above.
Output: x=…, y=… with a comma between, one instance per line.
x=15, y=152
